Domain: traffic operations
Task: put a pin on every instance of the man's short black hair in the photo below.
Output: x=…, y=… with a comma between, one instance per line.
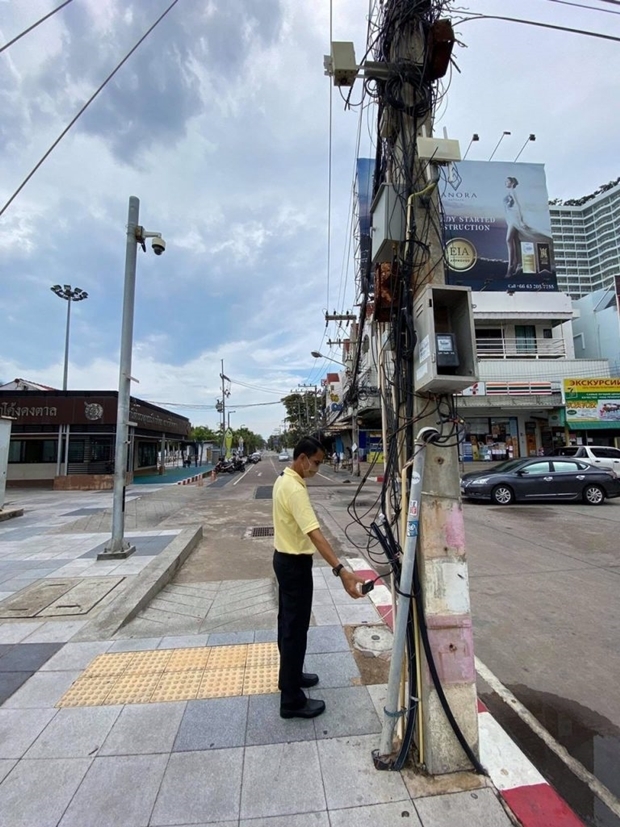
x=308, y=445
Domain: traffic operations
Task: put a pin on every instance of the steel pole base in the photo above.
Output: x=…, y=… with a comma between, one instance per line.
x=112, y=553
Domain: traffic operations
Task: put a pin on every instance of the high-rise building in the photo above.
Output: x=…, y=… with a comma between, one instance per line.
x=586, y=236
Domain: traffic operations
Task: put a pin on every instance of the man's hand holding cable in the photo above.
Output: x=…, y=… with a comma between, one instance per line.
x=350, y=581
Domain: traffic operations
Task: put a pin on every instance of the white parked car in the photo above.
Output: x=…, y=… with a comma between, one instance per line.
x=601, y=456
x=283, y=456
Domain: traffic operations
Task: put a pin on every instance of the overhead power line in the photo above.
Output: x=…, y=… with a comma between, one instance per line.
x=255, y=387
x=207, y=407
x=85, y=107
x=581, y=6
x=34, y=25
x=467, y=17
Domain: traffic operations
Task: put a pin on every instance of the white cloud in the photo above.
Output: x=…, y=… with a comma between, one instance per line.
x=222, y=132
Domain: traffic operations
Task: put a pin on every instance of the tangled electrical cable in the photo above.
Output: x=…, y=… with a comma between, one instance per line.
x=405, y=99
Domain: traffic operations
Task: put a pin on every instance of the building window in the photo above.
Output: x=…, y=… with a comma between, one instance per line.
x=101, y=449
x=76, y=450
x=33, y=450
x=526, y=338
x=147, y=454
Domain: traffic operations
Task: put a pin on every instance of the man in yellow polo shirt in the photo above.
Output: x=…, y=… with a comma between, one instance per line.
x=297, y=534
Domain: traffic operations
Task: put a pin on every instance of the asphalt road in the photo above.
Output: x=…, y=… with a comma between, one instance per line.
x=545, y=593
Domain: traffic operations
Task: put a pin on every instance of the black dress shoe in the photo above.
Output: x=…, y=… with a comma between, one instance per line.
x=308, y=679
x=311, y=709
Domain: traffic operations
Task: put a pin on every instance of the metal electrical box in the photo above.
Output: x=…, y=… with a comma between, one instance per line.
x=445, y=359
x=389, y=222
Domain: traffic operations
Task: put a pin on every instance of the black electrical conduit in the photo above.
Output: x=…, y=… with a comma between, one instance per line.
x=398, y=762
x=387, y=544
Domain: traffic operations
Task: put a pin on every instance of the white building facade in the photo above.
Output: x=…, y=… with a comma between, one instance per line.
x=596, y=328
x=586, y=238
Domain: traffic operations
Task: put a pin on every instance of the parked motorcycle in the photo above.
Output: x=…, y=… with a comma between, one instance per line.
x=226, y=466
x=239, y=463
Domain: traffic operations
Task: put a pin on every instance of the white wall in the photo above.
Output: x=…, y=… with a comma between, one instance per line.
x=537, y=305
x=596, y=333
x=32, y=471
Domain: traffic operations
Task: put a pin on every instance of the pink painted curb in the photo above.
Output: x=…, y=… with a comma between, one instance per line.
x=530, y=798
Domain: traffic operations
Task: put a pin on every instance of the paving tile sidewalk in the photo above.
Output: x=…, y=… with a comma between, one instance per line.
x=219, y=761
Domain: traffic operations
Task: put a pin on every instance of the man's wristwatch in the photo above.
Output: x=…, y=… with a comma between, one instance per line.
x=336, y=571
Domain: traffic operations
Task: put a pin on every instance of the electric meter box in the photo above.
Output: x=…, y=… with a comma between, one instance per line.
x=445, y=359
x=388, y=222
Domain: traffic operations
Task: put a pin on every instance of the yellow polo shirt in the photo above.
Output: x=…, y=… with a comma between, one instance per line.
x=293, y=515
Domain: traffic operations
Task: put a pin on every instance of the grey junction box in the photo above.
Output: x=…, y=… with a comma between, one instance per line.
x=445, y=359
x=388, y=222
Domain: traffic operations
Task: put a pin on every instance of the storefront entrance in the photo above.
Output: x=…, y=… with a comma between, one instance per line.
x=491, y=439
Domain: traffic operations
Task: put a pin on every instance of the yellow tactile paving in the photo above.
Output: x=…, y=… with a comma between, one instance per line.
x=160, y=675
x=178, y=686
x=221, y=683
x=261, y=680
x=151, y=661
x=106, y=665
x=183, y=660
x=228, y=657
x=87, y=691
x=262, y=654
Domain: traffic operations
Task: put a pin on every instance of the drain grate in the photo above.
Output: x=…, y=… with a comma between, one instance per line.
x=262, y=531
x=264, y=492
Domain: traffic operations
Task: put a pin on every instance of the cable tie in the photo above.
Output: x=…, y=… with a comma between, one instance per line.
x=398, y=714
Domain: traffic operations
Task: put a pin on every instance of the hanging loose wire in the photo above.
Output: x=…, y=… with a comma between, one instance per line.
x=466, y=17
x=329, y=157
x=34, y=25
x=84, y=108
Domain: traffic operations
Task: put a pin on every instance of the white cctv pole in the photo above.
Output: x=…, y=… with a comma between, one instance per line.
x=118, y=547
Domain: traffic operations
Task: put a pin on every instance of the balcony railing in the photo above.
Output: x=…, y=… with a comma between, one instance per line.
x=507, y=348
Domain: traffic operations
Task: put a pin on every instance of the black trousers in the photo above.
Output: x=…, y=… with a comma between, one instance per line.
x=294, y=574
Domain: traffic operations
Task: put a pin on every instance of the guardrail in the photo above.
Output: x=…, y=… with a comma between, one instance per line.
x=513, y=348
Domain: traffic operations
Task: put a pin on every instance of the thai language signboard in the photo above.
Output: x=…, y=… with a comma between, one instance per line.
x=592, y=403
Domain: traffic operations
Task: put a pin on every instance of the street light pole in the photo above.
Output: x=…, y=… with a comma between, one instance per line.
x=229, y=413
x=70, y=294
x=117, y=547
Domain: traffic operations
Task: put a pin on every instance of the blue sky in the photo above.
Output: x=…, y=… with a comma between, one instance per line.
x=219, y=124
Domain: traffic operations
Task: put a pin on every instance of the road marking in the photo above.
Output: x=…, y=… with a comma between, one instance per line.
x=241, y=477
x=599, y=790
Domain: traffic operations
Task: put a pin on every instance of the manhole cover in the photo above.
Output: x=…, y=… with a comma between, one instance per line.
x=376, y=639
x=264, y=492
x=261, y=531
x=56, y=597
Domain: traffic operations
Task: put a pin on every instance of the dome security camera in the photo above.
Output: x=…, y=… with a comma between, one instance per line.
x=159, y=245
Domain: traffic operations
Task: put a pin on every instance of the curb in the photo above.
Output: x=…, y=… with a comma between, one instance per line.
x=195, y=478
x=528, y=796
x=143, y=589
x=9, y=513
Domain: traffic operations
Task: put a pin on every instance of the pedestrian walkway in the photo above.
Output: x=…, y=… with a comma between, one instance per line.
x=178, y=723
x=173, y=475
x=196, y=720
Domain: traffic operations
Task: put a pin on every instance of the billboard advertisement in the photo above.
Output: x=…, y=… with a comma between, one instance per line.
x=592, y=403
x=365, y=174
x=497, y=228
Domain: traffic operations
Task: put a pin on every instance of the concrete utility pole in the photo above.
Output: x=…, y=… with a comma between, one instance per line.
x=441, y=546
x=224, y=379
